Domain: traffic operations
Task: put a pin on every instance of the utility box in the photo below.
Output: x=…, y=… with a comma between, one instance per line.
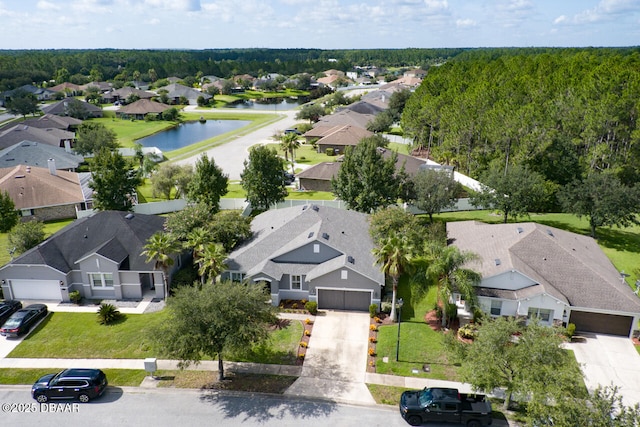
x=151, y=365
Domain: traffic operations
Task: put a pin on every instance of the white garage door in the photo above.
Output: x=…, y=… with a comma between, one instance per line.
x=36, y=289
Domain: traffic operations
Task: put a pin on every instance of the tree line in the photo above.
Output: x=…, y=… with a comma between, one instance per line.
x=20, y=67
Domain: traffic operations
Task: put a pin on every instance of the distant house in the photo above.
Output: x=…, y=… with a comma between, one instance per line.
x=365, y=107
x=337, y=137
x=176, y=91
x=318, y=177
x=41, y=94
x=122, y=94
x=69, y=89
x=533, y=270
x=50, y=136
x=45, y=193
x=70, y=106
x=313, y=253
x=141, y=108
x=51, y=121
x=345, y=117
x=30, y=153
x=415, y=72
x=100, y=256
x=101, y=86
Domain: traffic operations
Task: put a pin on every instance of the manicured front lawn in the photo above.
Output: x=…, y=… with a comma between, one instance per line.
x=305, y=154
x=116, y=377
x=79, y=336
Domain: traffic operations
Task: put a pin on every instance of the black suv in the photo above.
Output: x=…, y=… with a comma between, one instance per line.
x=7, y=308
x=73, y=384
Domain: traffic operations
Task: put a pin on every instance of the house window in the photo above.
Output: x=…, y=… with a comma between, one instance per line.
x=496, y=307
x=344, y=274
x=316, y=248
x=296, y=281
x=541, y=313
x=236, y=276
x=101, y=280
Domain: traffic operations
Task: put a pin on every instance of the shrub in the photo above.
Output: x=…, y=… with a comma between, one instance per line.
x=300, y=355
x=373, y=310
x=468, y=331
x=478, y=315
x=294, y=305
x=330, y=152
x=372, y=351
x=373, y=340
x=307, y=333
x=373, y=328
x=308, y=321
x=377, y=319
x=303, y=344
x=107, y=314
x=571, y=329
x=385, y=307
x=75, y=297
x=186, y=276
x=311, y=307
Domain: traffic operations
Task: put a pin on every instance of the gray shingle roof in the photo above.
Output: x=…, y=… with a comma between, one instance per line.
x=33, y=154
x=281, y=230
x=110, y=233
x=566, y=265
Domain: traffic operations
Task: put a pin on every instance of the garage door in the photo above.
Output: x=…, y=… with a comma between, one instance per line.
x=344, y=300
x=601, y=323
x=36, y=289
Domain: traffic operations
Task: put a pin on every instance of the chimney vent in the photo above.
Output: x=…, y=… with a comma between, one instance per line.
x=52, y=166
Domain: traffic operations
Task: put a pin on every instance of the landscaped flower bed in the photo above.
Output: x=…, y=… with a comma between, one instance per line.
x=304, y=340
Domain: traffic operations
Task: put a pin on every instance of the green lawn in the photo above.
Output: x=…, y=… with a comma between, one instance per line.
x=78, y=335
x=305, y=154
x=49, y=228
x=237, y=192
x=116, y=377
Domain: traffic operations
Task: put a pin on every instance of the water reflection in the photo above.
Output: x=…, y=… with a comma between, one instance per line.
x=190, y=132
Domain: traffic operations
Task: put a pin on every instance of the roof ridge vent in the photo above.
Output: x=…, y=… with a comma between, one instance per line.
x=315, y=208
x=520, y=230
x=325, y=236
x=549, y=232
x=351, y=260
x=498, y=262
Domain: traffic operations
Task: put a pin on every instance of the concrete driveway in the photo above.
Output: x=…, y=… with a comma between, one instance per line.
x=608, y=359
x=335, y=364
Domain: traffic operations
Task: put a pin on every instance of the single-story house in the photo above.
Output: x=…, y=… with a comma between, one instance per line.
x=41, y=94
x=141, y=108
x=364, y=107
x=73, y=107
x=30, y=153
x=45, y=193
x=175, y=91
x=311, y=252
x=337, y=137
x=318, y=177
x=345, y=117
x=69, y=89
x=100, y=256
x=533, y=270
x=51, y=121
x=50, y=136
x=124, y=93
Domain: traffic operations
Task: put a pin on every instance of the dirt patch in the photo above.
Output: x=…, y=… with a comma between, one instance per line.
x=207, y=380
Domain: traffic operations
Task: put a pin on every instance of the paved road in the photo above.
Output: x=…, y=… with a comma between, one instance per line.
x=230, y=156
x=168, y=407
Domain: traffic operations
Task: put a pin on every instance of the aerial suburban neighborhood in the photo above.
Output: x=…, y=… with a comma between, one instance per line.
x=448, y=233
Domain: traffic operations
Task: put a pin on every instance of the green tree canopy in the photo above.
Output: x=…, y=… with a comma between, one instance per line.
x=182, y=222
x=311, y=112
x=603, y=199
x=515, y=192
x=263, y=177
x=209, y=184
x=93, y=136
x=366, y=180
x=22, y=103
x=435, y=190
x=25, y=236
x=171, y=178
x=9, y=216
x=525, y=360
x=394, y=254
x=229, y=228
x=212, y=320
x=112, y=181
x=160, y=249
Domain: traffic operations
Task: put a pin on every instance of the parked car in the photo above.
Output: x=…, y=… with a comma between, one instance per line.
x=445, y=405
x=70, y=384
x=296, y=131
x=288, y=178
x=23, y=320
x=7, y=308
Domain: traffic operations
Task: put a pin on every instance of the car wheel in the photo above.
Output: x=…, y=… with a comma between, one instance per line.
x=473, y=423
x=83, y=398
x=42, y=398
x=414, y=420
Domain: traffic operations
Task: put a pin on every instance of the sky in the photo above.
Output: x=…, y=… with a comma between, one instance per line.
x=323, y=24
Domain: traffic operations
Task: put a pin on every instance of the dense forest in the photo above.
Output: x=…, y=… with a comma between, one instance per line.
x=560, y=112
x=20, y=67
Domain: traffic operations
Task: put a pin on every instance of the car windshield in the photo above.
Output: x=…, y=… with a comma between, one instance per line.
x=425, y=398
x=12, y=322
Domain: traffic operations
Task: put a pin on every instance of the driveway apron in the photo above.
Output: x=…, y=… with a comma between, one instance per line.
x=608, y=359
x=336, y=359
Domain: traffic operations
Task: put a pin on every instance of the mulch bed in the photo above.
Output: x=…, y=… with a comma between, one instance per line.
x=304, y=341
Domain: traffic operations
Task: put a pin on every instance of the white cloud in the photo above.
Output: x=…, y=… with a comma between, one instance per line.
x=180, y=5
x=47, y=5
x=560, y=19
x=435, y=6
x=605, y=10
x=465, y=23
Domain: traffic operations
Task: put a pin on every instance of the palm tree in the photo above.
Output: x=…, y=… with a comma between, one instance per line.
x=394, y=254
x=212, y=261
x=289, y=142
x=197, y=240
x=159, y=248
x=446, y=267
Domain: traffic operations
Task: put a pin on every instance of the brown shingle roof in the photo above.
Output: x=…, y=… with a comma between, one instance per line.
x=144, y=106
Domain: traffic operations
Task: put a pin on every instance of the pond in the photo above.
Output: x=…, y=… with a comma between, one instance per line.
x=272, y=104
x=189, y=133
